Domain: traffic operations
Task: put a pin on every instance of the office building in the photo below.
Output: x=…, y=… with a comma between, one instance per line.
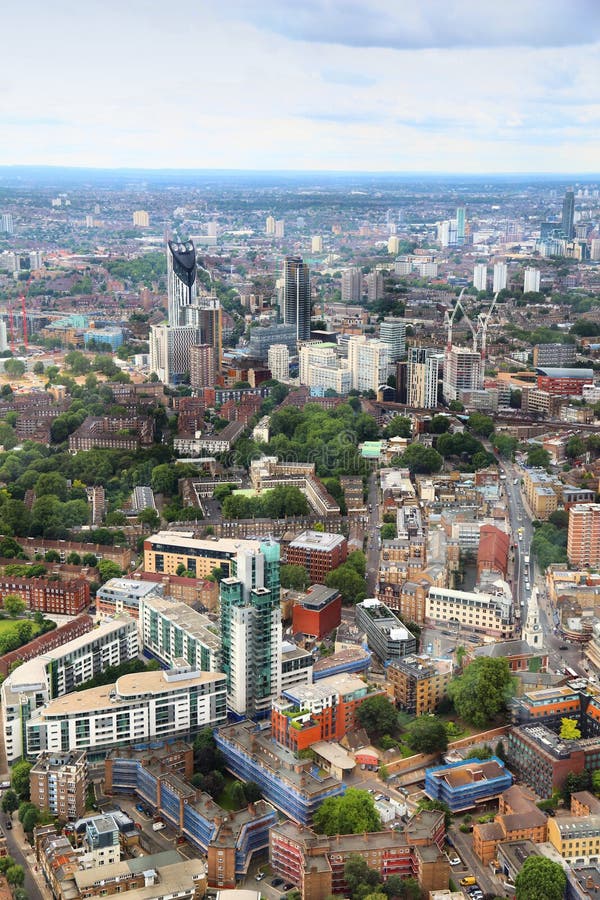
x=324, y=711
x=170, y=348
x=263, y=337
x=317, y=612
x=124, y=595
x=58, y=783
x=296, y=296
x=419, y=682
x=493, y=551
x=480, y=274
x=564, y=382
x=251, y=629
x=113, y=337
x=368, y=362
x=543, y=760
x=352, y=285
x=58, y=672
x=270, y=225
x=500, y=277
x=480, y=612
x=172, y=630
x=375, y=286
x=542, y=491
x=393, y=333
x=461, y=222
x=422, y=378
x=386, y=635
x=147, y=706
x=556, y=355
x=181, y=280
x=315, y=862
x=316, y=244
x=465, y=784
x=568, y=215
x=296, y=666
x=463, y=371
x=292, y=785
x=7, y=225
x=577, y=839
x=583, y=541
x=141, y=219
x=278, y=361
x=531, y=280
x=203, y=369
x=317, y=552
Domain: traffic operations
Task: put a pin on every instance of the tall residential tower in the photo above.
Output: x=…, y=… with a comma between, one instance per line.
x=296, y=296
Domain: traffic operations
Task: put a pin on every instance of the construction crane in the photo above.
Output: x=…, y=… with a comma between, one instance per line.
x=483, y=320
x=449, y=321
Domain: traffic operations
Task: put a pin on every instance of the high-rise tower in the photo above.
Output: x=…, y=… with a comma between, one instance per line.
x=181, y=279
x=568, y=215
x=461, y=221
x=251, y=629
x=296, y=296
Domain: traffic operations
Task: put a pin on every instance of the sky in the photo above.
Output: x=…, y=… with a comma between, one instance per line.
x=457, y=86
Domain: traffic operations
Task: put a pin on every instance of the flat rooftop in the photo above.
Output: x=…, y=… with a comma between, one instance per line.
x=186, y=618
x=317, y=596
x=186, y=539
x=344, y=683
x=325, y=541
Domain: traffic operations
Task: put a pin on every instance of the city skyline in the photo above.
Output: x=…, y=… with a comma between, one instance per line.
x=336, y=87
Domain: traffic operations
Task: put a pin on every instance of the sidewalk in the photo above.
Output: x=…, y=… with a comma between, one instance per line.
x=18, y=836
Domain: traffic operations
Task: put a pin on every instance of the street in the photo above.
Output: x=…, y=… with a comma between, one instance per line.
x=373, y=535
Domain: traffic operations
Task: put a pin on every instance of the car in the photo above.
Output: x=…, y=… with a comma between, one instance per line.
x=276, y=882
x=563, y=647
x=260, y=876
x=288, y=886
x=379, y=796
x=140, y=807
x=454, y=860
x=8, y=824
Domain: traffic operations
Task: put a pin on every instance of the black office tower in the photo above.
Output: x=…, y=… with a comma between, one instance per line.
x=296, y=296
x=568, y=215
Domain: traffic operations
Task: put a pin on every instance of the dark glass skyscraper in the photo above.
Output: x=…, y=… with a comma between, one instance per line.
x=181, y=276
x=296, y=296
x=568, y=215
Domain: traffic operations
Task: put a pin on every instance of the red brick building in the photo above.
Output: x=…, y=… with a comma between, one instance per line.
x=317, y=612
x=65, y=598
x=564, y=382
x=492, y=555
x=46, y=642
x=318, y=552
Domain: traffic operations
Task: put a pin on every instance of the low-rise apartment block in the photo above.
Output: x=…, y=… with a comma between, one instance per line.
x=463, y=785
x=64, y=598
x=576, y=839
x=518, y=819
x=542, y=492
x=317, y=552
x=46, y=642
x=113, y=433
x=288, y=783
x=123, y=595
x=58, y=783
x=166, y=550
x=137, y=708
x=419, y=682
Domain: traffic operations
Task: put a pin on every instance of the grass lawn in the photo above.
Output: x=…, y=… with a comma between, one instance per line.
x=225, y=800
x=7, y=626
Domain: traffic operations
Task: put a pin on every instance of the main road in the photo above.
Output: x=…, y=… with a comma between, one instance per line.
x=373, y=536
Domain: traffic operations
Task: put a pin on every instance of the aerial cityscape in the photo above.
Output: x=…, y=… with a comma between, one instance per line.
x=300, y=456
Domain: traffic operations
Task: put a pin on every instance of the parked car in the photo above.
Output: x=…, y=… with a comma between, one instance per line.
x=276, y=881
x=8, y=824
x=260, y=876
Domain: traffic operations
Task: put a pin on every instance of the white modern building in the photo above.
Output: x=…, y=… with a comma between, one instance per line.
x=500, y=277
x=124, y=595
x=170, y=351
x=422, y=378
x=393, y=333
x=480, y=274
x=462, y=372
x=181, y=280
x=147, y=706
x=278, y=361
x=58, y=672
x=531, y=280
x=172, y=630
x=477, y=612
x=369, y=362
x=320, y=367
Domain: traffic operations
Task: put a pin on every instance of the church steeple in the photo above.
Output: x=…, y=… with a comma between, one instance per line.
x=532, y=632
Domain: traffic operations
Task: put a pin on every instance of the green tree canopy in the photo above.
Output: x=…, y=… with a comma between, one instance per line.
x=569, y=729
x=399, y=426
x=538, y=457
x=20, y=779
x=420, y=459
x=480, y=424
x=10, y=802
x=482, y=691
x=377, y=715
x=427, y=734
x=349, y=583
x=294, y=577
x=352, y=813
x=14, y=605
x=540, y=879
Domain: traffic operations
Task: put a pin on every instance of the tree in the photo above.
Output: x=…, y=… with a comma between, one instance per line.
x=596, y=781
x=149, y=517
x=89, y=559
x=349, y=583
x=540, y=879
x=397, y=888
x=569, y=729
x=377, y=715
x=505, y=444
x=294, y=577
x=10, y=802
x=14, y=605
x=358, y=561
x=358, y=875
x=237, y=796
x=20, y=779
x=74, y=559
x=538, y=458
x=52, y=556
x=30, y=819
x=352, y=813
x=15, y=875
x=15, y=367
x=388, y=531
x=399, y=426
x=164, y=479
x=575, y=782
x=420, y=459
x=439, y=424
x=480, y=424
x=207, y=757
x=5, y=863
x=481, y=692
x=575, y=447
x=427, y=734
x=38, y=368
x=108, y=569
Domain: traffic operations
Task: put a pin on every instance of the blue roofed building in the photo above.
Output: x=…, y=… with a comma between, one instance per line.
x=465, y=784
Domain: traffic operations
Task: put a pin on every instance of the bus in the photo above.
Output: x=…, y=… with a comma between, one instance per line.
x=571, y=672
